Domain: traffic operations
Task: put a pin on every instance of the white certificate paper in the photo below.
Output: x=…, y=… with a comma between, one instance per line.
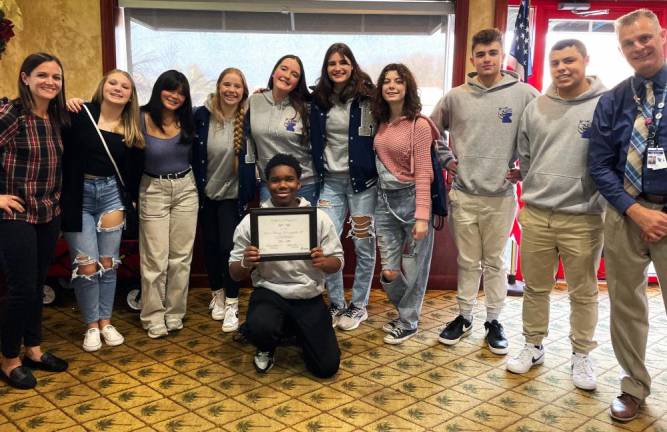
x=283, y=234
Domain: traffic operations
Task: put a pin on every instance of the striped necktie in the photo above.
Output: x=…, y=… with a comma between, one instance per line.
x=632, y=182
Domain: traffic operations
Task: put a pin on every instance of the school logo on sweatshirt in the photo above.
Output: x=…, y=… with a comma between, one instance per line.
x=584, y=128
x=292, y=122
x=505, y=114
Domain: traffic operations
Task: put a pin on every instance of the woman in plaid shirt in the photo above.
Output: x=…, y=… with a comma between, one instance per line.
x=30, y=179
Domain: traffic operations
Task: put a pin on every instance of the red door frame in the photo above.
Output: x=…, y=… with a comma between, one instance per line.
x=544, y=10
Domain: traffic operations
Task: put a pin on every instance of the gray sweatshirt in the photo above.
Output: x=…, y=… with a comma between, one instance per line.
x=277, y=128
x=290, y=279
x=221, y=182
x=482, y=124
x=336, y=157
x=553, y=147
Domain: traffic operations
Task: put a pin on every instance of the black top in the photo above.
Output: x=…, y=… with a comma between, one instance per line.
x=97, y=161
x=85, y=154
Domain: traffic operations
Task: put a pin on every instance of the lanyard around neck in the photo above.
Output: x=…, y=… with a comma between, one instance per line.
x=653, y=113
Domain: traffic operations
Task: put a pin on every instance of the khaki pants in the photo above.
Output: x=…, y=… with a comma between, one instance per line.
x=627, y=258
x=577, y=239
x=168, y=221
x=480, y=226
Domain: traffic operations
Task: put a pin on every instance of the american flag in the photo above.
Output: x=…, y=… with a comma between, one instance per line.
x=520, y=52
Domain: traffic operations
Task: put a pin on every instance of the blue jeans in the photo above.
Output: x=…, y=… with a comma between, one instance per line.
x=394, y=219
x=336, y=198
x=308, y=191
x=95, y=292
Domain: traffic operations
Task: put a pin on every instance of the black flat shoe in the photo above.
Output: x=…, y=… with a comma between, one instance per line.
x=20, y=377
x=48, y=362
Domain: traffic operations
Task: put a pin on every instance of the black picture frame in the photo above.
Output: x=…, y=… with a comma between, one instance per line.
x=256, y=216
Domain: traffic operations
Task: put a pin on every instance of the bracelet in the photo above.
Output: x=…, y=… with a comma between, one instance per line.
x=242, y=266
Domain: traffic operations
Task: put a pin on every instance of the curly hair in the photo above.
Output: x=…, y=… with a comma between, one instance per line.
x=359, y=84
x=411, y=104
x=283, y=159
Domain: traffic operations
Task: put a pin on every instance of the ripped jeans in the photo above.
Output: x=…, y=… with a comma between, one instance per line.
x=394, y=219
x=95, y=292
x=336, y=199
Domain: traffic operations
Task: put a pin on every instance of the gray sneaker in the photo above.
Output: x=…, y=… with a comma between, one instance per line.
x=335, y=312
x=352, y=317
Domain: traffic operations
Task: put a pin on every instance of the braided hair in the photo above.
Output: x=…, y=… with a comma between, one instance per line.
x=238, y=135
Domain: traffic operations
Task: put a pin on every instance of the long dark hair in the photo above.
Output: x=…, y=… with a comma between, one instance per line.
x=359, y=84
x=300, y=95
x=57, y=112
x=172, y=80
x=411, y=104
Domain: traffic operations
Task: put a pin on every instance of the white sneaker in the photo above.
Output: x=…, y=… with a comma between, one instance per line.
x=157, y=331
x=231, y=322
x=529, y=356
x=263, y=361
x=174, y=324
x=111, y=336
x=583, y=374
x=91, y=341
x=217, y=305
x=352, y=317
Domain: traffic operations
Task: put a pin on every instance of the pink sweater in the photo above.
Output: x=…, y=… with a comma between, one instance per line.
x=394, y=146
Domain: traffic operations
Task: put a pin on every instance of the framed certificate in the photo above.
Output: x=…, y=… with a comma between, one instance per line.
x=283, y=233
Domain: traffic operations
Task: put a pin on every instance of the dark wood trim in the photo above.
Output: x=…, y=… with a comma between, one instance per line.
x=108, y=14
x=500, y=19
x=460, y=42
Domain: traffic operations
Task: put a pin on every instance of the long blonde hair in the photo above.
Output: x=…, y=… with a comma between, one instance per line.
x=216, y=108
x=131, y=128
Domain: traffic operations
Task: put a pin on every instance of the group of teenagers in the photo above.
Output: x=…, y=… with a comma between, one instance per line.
x=361, y=152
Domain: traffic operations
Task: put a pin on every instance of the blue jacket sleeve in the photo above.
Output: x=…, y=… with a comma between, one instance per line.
x=603, y=155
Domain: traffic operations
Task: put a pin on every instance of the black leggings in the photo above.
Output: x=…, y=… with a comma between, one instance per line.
x=26, y=251
x=219, y=220
x=271, y=316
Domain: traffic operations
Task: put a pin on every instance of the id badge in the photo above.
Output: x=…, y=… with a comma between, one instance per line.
x=655, y=158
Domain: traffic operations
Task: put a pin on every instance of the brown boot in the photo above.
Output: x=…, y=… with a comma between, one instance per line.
x=625, y=407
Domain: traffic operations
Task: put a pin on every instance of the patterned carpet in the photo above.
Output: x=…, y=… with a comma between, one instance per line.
x=199, y=379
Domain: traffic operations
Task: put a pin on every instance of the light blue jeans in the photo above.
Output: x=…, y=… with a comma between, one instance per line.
x=336, y=198
x=394, y=219
x=308, y=191
x=95, y=293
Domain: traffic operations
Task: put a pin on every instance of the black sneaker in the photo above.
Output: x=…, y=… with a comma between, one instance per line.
x=495, y=337
x=455, y=330
x=263, y=361
x=399, y=335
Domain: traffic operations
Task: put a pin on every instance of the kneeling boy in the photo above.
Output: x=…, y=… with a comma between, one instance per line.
x=288, y=294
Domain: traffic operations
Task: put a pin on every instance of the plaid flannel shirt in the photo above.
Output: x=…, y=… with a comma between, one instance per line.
x=30, y=164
